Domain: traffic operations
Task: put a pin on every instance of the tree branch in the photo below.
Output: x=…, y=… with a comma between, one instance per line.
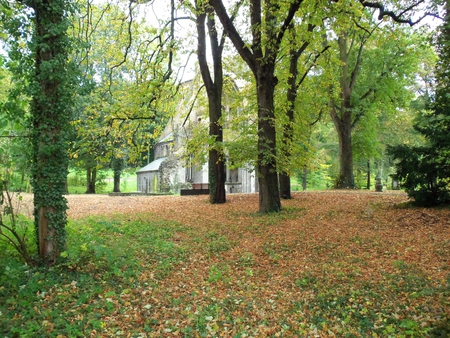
x=233, y=34
x=382, y=12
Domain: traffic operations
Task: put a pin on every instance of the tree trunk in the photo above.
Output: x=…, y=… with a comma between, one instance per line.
x=91, y=177
x=346, y=178
x=343, y=121
x=368, y=175
x=288, y=130
x=305, y=178
x=116, y=187
x=214, y=89
x=285, y=185
x=269, y=193
x=217, y=174
x=50, y=115
x=117, y=164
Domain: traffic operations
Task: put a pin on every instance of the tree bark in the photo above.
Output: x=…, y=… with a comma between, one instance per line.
x=117, y=164
x=91, y=177
x=214, y=89
x=346, y=178
x=50, y=115
x=305, y=178
x=343, y=121
x=116, y=187
x=269, y=193
x=285, y=185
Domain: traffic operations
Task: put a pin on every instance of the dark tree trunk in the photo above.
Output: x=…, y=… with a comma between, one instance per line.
x=269, y=193
x=116, y=187
x=261, y=58
x=368, y=175
x=50, y=115
x=285, y=185
x=91, y=177
x=217, y=174
x=346, y=178
x=214, y=89
x=291, y=97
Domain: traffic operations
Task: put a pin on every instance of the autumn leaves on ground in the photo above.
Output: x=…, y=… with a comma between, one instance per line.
x=331, y=264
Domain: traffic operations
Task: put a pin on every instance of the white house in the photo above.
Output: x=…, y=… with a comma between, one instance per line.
x=172, y=168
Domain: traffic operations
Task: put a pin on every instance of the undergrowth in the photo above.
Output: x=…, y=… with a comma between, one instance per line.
x=102, y=263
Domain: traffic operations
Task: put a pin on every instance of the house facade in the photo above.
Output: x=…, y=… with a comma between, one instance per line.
x=173, y=170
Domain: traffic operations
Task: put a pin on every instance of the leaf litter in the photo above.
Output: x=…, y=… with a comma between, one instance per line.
x=331, y=264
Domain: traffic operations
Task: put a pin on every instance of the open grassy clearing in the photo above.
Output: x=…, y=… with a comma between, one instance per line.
x=333, y=264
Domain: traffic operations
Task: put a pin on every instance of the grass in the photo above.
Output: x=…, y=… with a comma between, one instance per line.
x=77, y=183
x=316, y=269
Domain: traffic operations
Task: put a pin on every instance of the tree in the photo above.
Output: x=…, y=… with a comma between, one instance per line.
x=51, y=89
x=269, y=21
x=424, y=171
x=268, y=27
x=376, y=68
x=129, y=96
x=300, y=64
x=214, y=89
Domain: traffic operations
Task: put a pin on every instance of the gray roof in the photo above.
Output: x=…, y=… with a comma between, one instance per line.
x=167, y=138
x=152, y=166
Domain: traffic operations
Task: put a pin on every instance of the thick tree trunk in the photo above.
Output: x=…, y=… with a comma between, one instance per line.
x=217, y=175
x=50, y=117
x=116, y=187
x=269, y=193
x=343, y=121
x=346, y=178
x=285, y=185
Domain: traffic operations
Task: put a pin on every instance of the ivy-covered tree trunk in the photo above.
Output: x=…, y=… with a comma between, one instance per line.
x=50, y=116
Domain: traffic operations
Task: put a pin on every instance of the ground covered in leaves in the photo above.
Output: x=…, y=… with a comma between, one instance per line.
x=331, y=264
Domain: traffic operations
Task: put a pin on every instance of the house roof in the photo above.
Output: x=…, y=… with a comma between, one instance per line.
x=152, y=166
x=168, y=137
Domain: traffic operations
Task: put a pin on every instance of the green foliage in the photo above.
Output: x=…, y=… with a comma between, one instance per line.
x=127, y=97
x=425, y=171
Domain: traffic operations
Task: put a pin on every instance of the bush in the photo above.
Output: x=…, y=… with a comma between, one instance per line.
x=424, y=174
